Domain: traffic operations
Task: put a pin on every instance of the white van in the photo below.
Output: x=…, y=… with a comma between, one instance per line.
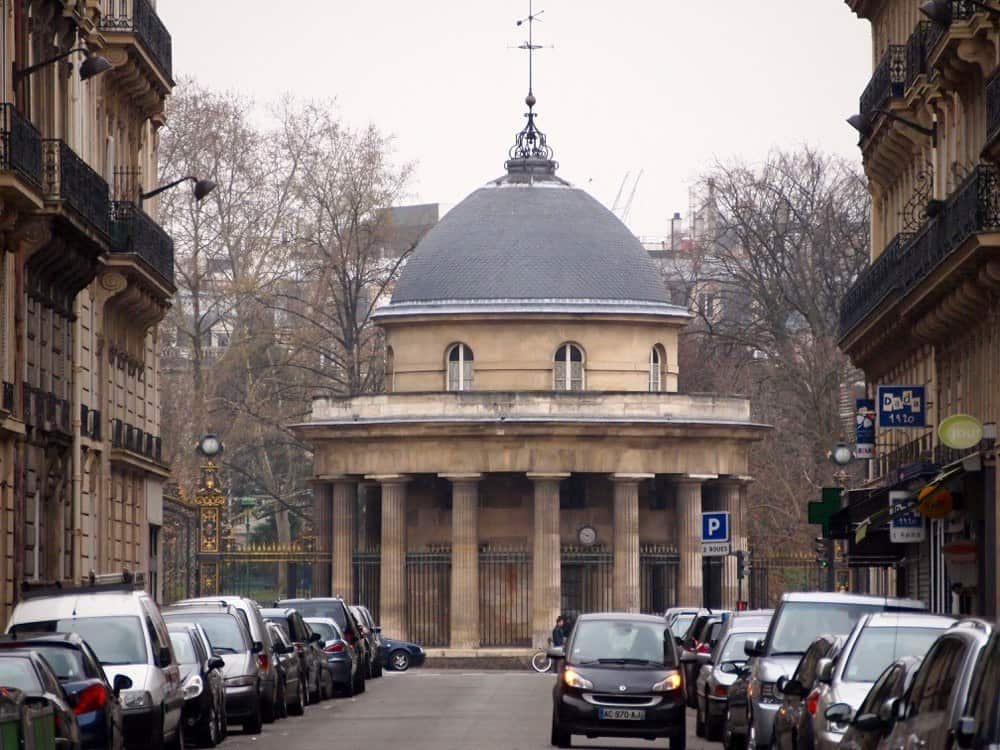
x=126, y=631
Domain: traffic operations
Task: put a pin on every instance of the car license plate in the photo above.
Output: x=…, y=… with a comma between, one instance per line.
x=621, y=714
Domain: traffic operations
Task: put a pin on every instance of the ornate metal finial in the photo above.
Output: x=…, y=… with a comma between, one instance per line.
x=530, y=142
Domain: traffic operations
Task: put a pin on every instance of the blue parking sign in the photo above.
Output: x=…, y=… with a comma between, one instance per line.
x=715, y=526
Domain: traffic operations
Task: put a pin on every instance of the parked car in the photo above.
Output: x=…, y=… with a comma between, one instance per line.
x=126, y=631
x=26, y=670
x=319, y=682
x=792, y=728
x=202, y=681
x=344, y=662
x=868, y=729
x=258, y=634
x=679, y=619
x=932, y=714
x=372, y=634
x=230, y=639
x=875, y=643
x=979, y=725
x=335, y=608
x=699, y=640
x=93, y=699
x=619, y=676
x=293, y=693
x=798, y=620
x=720, y=669
x=401, y=655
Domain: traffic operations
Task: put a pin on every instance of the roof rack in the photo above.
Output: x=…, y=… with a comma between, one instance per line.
x=124, y=581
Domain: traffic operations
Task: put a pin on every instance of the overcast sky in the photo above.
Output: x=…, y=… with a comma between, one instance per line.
x=666, y=86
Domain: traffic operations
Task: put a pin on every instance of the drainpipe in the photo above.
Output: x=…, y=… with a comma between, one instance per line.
x=76, y=572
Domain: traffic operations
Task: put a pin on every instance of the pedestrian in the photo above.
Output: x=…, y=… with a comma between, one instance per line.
x=559, y=632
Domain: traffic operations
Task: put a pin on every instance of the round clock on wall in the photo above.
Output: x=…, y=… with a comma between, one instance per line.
x=587, y=535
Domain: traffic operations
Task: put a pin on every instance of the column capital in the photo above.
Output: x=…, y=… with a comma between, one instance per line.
x=693, y=478
x=631, y=477
x=550, y=476
x=462, y=478
x=388, y=478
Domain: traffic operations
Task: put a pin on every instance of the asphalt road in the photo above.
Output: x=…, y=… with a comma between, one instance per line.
x=435, y=710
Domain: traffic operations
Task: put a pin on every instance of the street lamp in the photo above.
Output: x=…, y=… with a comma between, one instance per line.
x=841, y=454
x=940, y=11
x=93, y=65
x=210, y=446
x=863, y=124
x=201, y=188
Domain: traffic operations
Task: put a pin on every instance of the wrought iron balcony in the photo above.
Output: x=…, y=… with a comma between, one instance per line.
x=907, y=261
x=8, y=397
x=992, y=110
x=70, y=180
x=139, y=18
x=917, y=51
x=886, y=82
x=22, y=145
x=133, y=231
x=961, y=10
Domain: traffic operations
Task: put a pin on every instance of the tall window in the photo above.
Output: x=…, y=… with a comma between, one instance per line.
x=656, y=374
x=460, y=368
x=390, y=370
x=567, y=370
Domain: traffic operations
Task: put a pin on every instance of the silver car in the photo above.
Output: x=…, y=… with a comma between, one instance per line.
x=719, y=672
x=875, y=643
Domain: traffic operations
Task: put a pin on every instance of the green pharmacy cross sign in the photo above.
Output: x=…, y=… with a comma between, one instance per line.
x=821, y=512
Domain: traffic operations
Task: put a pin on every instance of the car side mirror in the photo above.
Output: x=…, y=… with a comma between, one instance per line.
x=556, y=652
x=839, y=713
x=378, y=629
x=315, y=637
x=965, y=732
x=122, y=682
x=793, y=687
x=257, y=647
x=731, y=667
x=216, y=662
x=703, y=658
x=744, y=673
x=891, y=711
x=163, y=656
x=824, y=671
x=753, y=648
x=867, y=722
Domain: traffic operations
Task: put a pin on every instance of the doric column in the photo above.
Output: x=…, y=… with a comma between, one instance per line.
x=464, y=560
x=689, y=578
x=626, y=522
x=546, y=589
x=393, y=563
x=323, y=531
x=345, y=494
x=730, y=492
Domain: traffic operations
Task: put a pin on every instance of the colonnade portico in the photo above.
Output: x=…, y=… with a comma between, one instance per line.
x=338, y=496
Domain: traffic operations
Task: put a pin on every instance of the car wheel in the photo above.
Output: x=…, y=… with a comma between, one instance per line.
x=211, y=735
x=559, y=737
x=363, y=681
x=177, y=743
x=699, y=721
x=400, y=660
x=255, y=723
x=298, y=707
x=327, y=685
x=267, y=705
x=678, y=742
x=751, y=735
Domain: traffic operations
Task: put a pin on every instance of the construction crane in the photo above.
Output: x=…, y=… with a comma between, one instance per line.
x=618, y=208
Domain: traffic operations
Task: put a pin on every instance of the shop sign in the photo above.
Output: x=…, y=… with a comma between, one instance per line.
x=902, y=406
x=960, y=432
x=864, y=432
x=935, y=501
x=905, y=526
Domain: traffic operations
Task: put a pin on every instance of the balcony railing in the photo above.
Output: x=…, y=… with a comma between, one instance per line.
x=993, y=108
x=69, y=179
x=130, y=438
x=973, y=207
x=139, y=18
x=133, y=231
x=886, y=82
x=916, y=52
x=8, y=397
x=46, y=411
x=22, y=145
x=961, y=10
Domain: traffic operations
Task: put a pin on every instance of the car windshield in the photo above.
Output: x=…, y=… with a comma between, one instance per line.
x=332, y=609
x=183, y=648
x=733, y=648
x=17, y=672
x=681, y=624
x=224, y=632
x=621, y=641
x=115, y=640
x=799, y=623
x=281, y=623
x=66, y=663
x=325, y=630
x=877, y=648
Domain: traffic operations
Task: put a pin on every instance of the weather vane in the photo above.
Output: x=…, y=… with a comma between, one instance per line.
x=530, y=142
x=530, y=46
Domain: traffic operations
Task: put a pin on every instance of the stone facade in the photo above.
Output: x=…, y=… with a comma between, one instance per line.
x=86, y=277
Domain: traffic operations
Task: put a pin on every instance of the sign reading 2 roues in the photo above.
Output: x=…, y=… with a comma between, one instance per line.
x=715, y=533
x=902, y=406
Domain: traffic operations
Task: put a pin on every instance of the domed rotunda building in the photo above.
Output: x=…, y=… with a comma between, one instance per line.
x=531, y=455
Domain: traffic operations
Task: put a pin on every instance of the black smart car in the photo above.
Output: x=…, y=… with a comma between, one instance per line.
x=619, y=677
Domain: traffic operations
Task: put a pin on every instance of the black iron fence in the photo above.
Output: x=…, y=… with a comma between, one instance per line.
x=587, y=581
x=138, y=17
x=973, y=207
x=22, y=145
x=657, y=578
x=367, y=584
x=69, y=179
x=918, y=449
x=8, y=396
x=888, y=81
x=961, y=10
x=133, y=231
x=428, y=597
x=504, y=597
x=772, y=576
x=916, y=52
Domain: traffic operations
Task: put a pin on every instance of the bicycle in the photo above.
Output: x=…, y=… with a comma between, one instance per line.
x=540, y=661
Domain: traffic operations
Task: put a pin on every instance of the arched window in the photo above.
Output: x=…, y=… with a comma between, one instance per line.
x=390, y=370
x=657, y=375
x=459, y=368
x=567, y=369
